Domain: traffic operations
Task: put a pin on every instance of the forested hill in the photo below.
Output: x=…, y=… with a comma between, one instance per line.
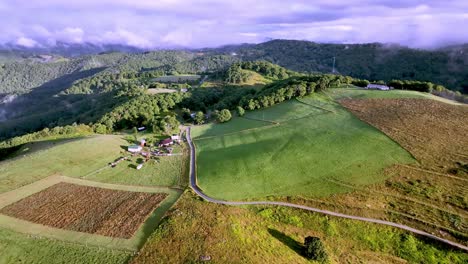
x=447, y=66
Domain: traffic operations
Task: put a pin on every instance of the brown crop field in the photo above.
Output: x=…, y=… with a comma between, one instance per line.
x=93, y=210
x=435, y=133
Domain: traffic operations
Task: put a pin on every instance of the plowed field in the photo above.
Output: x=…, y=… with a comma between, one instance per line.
x=106, y=212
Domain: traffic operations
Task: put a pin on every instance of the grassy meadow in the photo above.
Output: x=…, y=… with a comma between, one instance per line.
x=304, y=155
x=360, y=93
x=88, y=158
x=230, y=234
x=21, y=248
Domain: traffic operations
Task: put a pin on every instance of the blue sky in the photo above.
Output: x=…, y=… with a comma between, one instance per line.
x=209, y=23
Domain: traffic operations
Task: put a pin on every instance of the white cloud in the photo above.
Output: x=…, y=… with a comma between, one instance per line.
x=198, y=23
x=122, y=36
x=249, y=34
x=26, y=42
x=70, y=34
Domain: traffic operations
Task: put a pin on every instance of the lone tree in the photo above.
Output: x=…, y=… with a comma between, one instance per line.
x=224, y=116
x=314, y=249
x=199, y=118
x=240, y=111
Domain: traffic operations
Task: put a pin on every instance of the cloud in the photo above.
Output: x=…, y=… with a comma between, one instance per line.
x=122, y=36
x=70, y=34
x=200, y=23
x=26, y=42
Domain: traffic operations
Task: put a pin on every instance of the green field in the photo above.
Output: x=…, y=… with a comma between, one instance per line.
x=305, y=155
x=20, y=248
x=89, y=158
x=359, y=93
x=285, y=111
x=177, y=78
x=233, y=126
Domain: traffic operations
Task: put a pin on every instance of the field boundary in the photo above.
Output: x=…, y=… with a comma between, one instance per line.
x=132, y=244
x=321, y=108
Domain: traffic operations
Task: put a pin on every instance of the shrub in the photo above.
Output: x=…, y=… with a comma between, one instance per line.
x=314, y=249
x=224, y=116
x=240, y=111
x=199, y=118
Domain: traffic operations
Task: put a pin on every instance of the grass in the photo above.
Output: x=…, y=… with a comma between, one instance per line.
x=275, y=235
x=360, y=93
x=166, y=171
x=160, y=91
x=84, y=158
x=233, y=126
x=288, y=110
x=21, y=248
x=303, y=155
x=177, y=78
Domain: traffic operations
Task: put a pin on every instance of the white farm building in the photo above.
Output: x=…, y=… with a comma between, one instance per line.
x=134, y=148
x=378, y=87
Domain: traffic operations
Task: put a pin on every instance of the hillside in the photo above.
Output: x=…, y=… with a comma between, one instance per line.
x=22, y=71
x=372, y=61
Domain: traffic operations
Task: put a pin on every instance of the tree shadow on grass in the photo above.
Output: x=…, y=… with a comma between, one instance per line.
x=287, y=240
x=132, y=166
x=124, y=147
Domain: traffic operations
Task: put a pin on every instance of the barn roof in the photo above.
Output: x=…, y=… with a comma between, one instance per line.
x=166, y=141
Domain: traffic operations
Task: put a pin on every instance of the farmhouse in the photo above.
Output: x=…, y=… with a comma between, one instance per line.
x=166, y=142
x=378, y=87
x=134, y=148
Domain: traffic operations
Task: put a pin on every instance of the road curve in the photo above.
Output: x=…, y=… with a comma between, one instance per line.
x=199, y=192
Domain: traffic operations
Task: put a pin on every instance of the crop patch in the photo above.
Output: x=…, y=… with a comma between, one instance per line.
x=107, y=212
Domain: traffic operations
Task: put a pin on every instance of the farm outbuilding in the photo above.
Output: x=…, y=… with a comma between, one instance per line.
x=378, y=87
x=166, y=142
x=134, y=148
x=175, y=138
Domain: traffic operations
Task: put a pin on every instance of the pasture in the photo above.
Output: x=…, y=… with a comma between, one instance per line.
x=311, y=148
x=230, y=234
x=177, y=78
x=360, y=93
x=89, y=158
x=160, y=90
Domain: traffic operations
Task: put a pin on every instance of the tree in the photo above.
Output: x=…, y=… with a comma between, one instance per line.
x=155, y=128
x=240, y=111
x=186, y=114
x=314, y=249
x=169, y=124
x=135, y=133
x=199, y=118
x=224, y=116
x=100, y=129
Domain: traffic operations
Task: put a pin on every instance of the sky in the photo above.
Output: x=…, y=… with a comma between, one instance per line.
x=209, y=23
